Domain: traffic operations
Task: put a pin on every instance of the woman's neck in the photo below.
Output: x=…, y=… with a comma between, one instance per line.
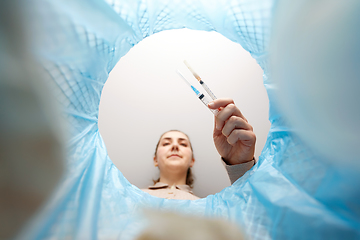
x=173, y=180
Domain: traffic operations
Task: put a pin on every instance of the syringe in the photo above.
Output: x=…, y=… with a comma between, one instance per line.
x=207, y=89
x=201, y=96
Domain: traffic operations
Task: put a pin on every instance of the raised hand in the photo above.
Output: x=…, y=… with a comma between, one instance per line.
x=233, y=136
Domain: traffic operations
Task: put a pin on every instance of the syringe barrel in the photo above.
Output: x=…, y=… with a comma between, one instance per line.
x=206, y=101
x=207, y=89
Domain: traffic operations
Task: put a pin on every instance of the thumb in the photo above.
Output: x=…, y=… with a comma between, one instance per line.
x=217, y=132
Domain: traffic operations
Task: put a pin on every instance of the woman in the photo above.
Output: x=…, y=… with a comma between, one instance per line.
x=234, y=140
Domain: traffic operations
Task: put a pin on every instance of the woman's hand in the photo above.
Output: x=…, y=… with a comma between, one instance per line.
x=233, y=136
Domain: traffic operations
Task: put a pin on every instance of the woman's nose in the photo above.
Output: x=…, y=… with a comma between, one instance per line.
x=175, y=146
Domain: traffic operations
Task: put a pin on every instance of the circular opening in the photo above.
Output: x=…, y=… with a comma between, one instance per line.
x=144, y=97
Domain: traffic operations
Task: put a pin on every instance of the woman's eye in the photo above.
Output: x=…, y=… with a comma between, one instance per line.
x=164, y=144
x=184, y=144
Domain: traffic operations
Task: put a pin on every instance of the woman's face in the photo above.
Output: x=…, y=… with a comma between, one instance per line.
x=174, y=152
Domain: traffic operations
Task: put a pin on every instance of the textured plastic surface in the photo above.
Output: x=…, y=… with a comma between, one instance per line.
x=289, y=194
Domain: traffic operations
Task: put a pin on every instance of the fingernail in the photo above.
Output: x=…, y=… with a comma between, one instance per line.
x=211, y=104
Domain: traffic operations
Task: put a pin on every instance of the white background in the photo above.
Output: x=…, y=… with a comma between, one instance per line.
x=144, y=97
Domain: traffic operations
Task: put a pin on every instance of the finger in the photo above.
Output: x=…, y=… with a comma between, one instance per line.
x=246, y=137
x=225, y=114
x=220, y=103
x=233, y=123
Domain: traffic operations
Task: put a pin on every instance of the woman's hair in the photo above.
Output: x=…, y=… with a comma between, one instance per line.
x=189, y=175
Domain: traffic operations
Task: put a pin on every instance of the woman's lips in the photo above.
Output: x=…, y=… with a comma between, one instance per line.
x=174, y=155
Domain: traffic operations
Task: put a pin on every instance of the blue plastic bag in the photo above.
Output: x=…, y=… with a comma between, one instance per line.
x=291, y=193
